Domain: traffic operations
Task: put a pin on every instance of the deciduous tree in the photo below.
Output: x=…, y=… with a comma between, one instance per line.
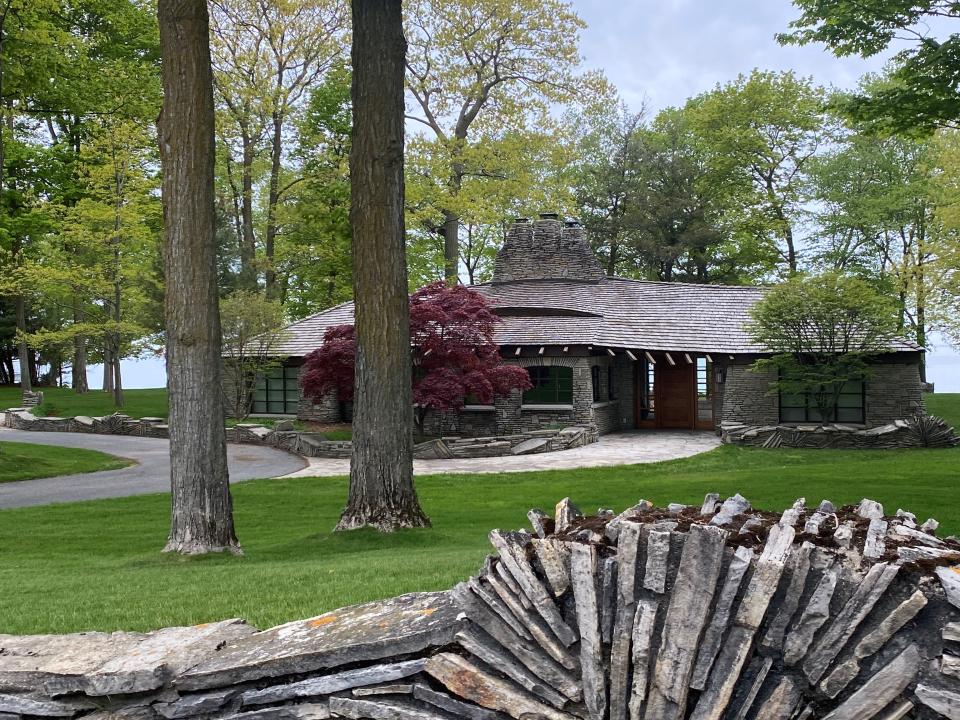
x=823, y=331
x=921, y=93
x=486, y=65
x=381, y=469
x=202, y=512
x=252, y=327
x=454, y=354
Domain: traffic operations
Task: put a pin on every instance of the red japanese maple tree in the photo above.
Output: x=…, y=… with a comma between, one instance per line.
x=454, y=355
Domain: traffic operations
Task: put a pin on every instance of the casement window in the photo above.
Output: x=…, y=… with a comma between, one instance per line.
x=277, y=392
x=595, y=381
x=803, y=408
x=552, y=385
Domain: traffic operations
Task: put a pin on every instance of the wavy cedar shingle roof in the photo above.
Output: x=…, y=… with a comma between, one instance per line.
x=616, y=313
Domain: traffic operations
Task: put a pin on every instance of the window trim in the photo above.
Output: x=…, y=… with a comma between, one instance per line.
x=290, y=407
x=565, y=398
x=809, y=407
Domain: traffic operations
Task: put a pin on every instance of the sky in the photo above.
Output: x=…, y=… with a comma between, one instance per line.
x=660, y=52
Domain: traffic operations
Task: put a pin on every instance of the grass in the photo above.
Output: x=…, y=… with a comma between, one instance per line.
x=945, y=405
x=25, y=461
x=97, y=565
x=64, y=402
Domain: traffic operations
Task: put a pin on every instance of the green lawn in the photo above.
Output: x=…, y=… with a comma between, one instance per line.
x=25, y=461
x=945, y=405
x=97, y=565
x=64, y=402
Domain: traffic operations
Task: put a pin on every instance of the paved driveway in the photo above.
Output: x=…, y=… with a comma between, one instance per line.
x=151, y=474
x=627, y=448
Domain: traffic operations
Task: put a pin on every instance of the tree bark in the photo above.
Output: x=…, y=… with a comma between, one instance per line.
x=78, y=372
x=273, y=200
x=381, y=471
x=23, y=352
x=202, y=512
x=248, y=246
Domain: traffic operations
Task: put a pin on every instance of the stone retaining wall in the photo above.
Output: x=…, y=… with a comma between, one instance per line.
x=311, y=444
x=919, y=431
x=684, y=612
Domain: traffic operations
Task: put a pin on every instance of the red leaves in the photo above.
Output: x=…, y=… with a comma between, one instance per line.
x=454, y=355
x=329, y=368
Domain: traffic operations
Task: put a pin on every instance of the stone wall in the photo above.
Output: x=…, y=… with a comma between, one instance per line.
x=893, y=392
x=675, y=613
x=914, y=432
x=508, y=415
x=746, y=395
x=327, y=410
x=546, y=249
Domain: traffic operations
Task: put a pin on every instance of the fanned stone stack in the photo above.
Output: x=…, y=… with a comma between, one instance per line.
x=716, y=612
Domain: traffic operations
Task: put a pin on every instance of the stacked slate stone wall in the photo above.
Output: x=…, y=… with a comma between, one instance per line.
x=546, y=249
x=311, y=444
x=914, y=432
x=746, y=396
x=893, y=391
x=710, y=612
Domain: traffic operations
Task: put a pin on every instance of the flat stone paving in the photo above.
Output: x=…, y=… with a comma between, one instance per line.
x=150, y=474
x=626, y=448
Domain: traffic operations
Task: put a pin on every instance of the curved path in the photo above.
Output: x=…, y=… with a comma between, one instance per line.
x=624, y=448
x=151, y=474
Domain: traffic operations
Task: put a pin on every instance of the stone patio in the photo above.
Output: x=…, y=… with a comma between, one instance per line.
x=626, y=448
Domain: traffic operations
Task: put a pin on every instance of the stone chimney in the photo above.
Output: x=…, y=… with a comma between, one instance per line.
x=546, y=249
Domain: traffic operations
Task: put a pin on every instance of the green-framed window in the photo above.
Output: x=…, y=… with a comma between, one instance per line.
x=611, y=383
x=277, y=391
x=851, y=405
x=552, y=385
x=595, y=381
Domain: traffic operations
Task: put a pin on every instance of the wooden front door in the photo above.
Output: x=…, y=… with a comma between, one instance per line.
x=675, y=388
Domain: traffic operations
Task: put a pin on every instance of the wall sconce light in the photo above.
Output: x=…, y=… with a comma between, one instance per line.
x=719, y=375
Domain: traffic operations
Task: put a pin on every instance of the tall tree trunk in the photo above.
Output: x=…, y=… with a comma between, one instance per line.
x=117, y=382
x=248, y=246
x=381, y=470
x=107, y=366
x=202, y=508
x=23, y=352
x=273, y=199
x=451, y=247
x=78, y=372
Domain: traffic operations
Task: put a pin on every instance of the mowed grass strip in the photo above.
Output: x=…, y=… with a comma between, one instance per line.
x=26, y=461
x=64, y=402
x=97, y=565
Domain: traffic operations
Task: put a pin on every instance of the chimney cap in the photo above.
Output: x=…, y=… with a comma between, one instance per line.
x=521, y=220
x=549, y=216
x=572, y=223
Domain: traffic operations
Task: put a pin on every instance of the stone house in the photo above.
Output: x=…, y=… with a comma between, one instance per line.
x=612, y=352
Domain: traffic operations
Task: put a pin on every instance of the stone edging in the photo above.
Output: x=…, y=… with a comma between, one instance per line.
x=682, y=612
x=921, y=431
x=310, y=444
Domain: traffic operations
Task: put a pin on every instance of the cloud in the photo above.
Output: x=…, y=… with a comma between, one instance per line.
x=669, y=50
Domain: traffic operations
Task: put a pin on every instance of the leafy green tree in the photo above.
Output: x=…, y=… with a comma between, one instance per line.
x=823, y=331
x=251, y=328
x=476, y=69
x=921, y=92
x=313, y=254
x=759, y=133
x=267, y=56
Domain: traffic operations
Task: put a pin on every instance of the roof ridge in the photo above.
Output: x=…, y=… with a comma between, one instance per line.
x=320, y=312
